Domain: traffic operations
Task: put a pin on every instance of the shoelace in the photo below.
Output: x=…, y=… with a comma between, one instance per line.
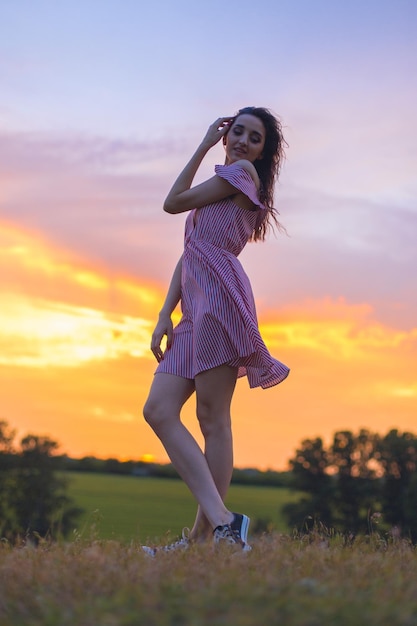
x=182, y=543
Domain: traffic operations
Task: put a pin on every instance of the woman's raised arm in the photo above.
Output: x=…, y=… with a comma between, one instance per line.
x=181, y=197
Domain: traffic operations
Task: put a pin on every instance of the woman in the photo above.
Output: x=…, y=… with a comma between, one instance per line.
x=217, y=339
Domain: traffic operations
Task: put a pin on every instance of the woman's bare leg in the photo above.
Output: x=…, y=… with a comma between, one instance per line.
x=162, y=411
x=214, y=390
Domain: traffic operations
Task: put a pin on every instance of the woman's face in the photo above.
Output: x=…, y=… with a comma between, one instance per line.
x=245, y=139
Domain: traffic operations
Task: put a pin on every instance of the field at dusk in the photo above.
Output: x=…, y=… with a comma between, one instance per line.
x=284, y=580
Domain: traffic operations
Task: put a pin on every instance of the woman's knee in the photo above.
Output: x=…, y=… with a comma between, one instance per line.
x=212, y=419
x=154, y=413
x=159, y=413
x=166, y=398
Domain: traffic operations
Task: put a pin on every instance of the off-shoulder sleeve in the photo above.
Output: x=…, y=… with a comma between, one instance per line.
x=237, y=176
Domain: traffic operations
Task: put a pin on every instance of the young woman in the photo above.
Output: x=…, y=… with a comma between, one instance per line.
x=217, y=339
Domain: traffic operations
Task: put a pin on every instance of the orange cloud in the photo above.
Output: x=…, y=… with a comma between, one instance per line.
x=334, y=328
x=38, y=333
x=35, y=267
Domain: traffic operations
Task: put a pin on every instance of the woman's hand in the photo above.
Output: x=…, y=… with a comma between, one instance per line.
x=216, y=131
x=163, y=327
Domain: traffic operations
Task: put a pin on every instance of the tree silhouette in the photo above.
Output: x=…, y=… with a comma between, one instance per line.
x=309, y=468
x=356, y=476
x=33, y=493
x=7, y=462
x=397, y=454
x=355, y=489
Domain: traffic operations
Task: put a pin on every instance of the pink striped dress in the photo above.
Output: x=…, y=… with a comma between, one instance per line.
x=219, y=323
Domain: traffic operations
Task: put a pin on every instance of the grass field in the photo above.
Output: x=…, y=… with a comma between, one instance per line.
x=129, y=508
x=284, y=581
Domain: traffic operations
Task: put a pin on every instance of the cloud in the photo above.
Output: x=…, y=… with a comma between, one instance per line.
x=57, y=311
x=81, y=194
x=32, y=266
x=338, y=247
x=38, y=333
x=336, y=329
x=59, y=177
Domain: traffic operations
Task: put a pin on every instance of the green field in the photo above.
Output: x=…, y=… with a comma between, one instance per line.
x=135, y=508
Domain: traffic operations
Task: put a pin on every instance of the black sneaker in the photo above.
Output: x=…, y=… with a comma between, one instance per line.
x=181, y=544
x=235, y=533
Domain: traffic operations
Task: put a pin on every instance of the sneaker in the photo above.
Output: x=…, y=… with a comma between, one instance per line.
x=235, y=533
x=181, y=544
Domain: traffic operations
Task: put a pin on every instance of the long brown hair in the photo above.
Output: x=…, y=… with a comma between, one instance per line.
x=268, y=168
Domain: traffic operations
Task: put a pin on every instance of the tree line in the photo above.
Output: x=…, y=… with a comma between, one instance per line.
x=247, y=476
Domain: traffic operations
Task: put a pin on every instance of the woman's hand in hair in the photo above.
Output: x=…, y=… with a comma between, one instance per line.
x=216, y=131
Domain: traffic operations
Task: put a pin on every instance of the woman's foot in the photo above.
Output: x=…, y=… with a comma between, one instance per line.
x=181, y=544
x=235, y=533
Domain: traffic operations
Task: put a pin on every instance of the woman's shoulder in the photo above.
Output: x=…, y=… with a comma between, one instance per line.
x=244, y=178
x=248, y=167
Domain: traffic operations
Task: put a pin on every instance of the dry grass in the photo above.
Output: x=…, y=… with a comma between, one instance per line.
x=311, y=581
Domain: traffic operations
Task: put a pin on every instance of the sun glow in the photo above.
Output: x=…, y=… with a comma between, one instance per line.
x=38, y=333
x=403, y=391
x=147, y=458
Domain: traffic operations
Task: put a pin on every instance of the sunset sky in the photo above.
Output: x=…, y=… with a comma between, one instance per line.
x=101, y=104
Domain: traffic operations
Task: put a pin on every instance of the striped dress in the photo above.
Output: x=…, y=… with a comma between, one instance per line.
x=219, y=323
